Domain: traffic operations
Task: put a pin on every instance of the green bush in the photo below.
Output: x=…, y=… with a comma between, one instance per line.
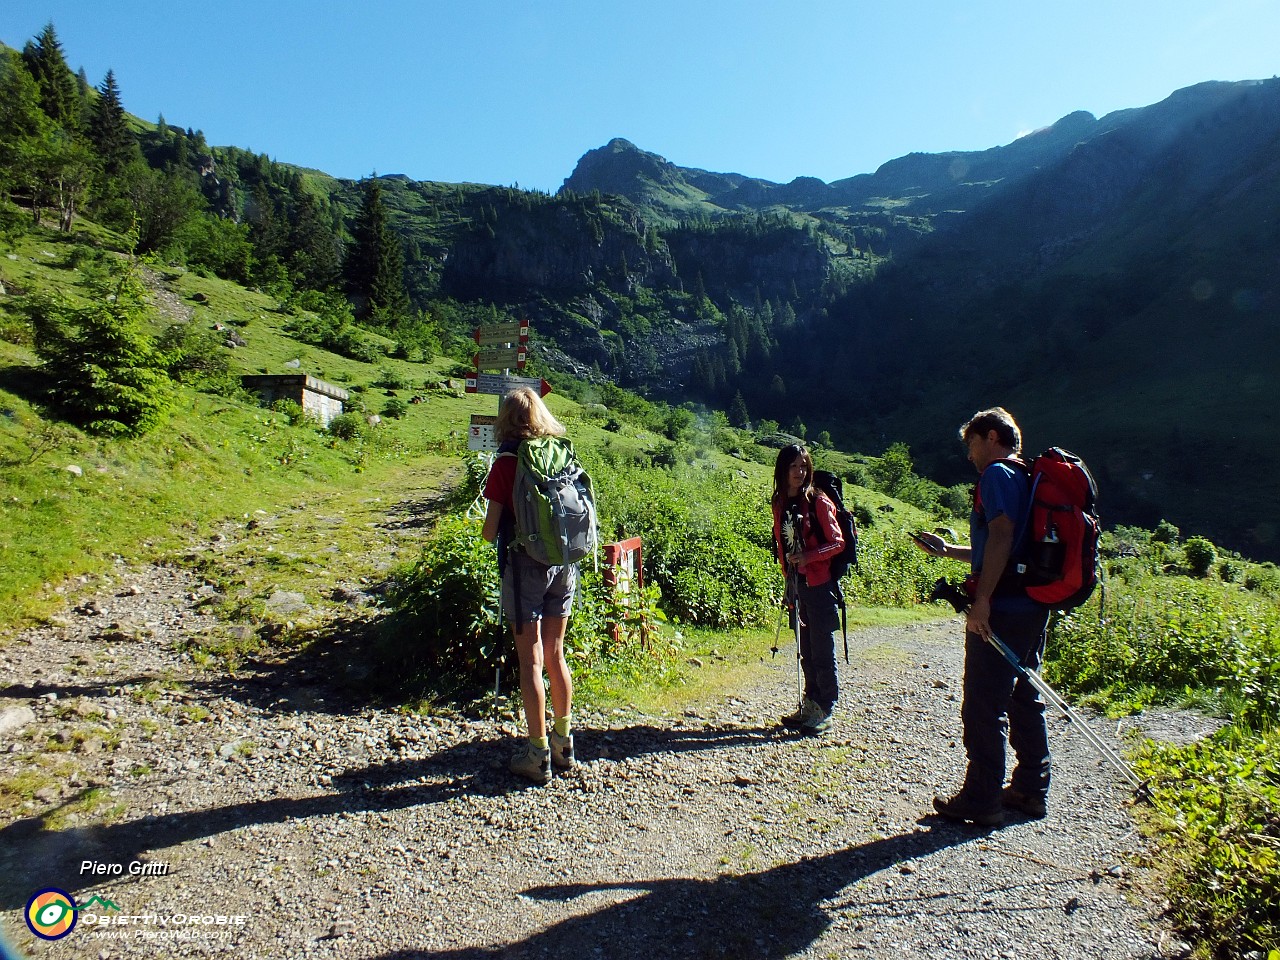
x=891, y=571
x=707, y=538
x=1217, y=818
x=445, y=631
x=197, y=358
x=348, y=426
x=389, y=379
x=293, y=412
x=1201, y=555
x=1172, y=635
x=446, y=626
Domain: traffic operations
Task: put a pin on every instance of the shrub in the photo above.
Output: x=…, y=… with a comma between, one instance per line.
x=707, y=540
x=446, y=608
x=292, y=411
x=1166, y=532
x=1264, y=578
x=1217, y=816
x=348, y=426
x=1201, y=555
x=197, y=358
x=390, y=380
x=395, y=408
x=445, y=630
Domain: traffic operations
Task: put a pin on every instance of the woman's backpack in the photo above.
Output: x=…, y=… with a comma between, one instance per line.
x=553, y=501
x=833, y=487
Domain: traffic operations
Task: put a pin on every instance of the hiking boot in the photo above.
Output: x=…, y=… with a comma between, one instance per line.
x=818, y=723
x=808, y=711
x=1028, y=804
x=532, y=763
x=561, y=751
x=963, y=810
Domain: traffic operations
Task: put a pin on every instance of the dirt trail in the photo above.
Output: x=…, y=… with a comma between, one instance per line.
x=291, y=819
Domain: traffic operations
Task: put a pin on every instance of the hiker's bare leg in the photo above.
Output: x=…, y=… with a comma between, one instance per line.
x=529, y=647
x=553, y=630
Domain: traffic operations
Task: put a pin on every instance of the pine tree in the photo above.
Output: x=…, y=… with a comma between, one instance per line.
x=375, y=261
x=313, y=254
x=59, y=97
x=104, y=370
x=738, y=414
x=109, y=130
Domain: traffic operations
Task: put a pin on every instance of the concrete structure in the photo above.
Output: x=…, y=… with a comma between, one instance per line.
x=317, y=398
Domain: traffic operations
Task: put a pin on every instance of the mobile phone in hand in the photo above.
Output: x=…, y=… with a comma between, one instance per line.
x=929, y=543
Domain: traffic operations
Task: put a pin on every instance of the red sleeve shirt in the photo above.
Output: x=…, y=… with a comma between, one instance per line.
x=818, y=551
x=501, y=481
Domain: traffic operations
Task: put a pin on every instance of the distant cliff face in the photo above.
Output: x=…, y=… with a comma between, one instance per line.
x=556, y=249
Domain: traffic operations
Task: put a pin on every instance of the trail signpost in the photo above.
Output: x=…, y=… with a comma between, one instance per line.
x=501, y=334
x=500, y=383
x=502, y=346
x=500, y=358
x=481, y=438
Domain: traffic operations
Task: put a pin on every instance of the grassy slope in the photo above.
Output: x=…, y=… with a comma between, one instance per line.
x=216, y=459
x=319, y=505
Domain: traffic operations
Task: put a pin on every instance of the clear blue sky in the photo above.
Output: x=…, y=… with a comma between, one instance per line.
x=506, y=92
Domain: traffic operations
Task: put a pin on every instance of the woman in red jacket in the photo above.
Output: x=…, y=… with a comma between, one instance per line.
x=808, y=536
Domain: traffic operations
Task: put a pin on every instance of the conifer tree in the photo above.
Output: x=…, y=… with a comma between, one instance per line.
x=375, y=262
x=313, y=254
x=103, y=369
x=59, y=97
x=738, y=415
x=109, y=130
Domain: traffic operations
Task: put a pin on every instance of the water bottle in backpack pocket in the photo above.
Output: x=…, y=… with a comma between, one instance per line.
x=1063, y=531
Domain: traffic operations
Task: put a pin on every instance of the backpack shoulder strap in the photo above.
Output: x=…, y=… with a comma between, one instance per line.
x=812, y=512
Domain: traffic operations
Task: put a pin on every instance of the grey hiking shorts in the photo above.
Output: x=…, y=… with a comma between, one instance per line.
x=543, y=591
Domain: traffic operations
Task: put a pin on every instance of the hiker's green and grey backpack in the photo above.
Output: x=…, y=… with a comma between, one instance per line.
x=554, y=502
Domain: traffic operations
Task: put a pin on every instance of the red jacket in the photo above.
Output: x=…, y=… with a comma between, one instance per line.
x=818, y=551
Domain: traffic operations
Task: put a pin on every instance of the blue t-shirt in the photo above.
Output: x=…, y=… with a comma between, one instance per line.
x=1003, y=491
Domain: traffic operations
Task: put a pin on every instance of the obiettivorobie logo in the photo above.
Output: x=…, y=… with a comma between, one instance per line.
x=52, y=913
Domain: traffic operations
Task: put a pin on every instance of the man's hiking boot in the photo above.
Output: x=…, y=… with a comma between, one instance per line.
x=807, y=712
x=561, y=751
x=1027, y=804
x=963, y=810
x=532, y=763
x=818, y=723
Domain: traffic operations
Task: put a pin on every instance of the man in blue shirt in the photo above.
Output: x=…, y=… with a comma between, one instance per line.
x=996, y=702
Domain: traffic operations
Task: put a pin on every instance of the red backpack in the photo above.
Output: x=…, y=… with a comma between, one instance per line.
x=1062, y=532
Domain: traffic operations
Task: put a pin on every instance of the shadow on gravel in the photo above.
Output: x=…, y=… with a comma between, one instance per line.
x=31, y=853
x=32, y=856
x=773, y=913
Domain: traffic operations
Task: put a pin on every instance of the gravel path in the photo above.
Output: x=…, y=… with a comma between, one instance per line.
x=303, y=822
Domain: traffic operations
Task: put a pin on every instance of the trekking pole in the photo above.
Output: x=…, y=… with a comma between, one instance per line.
x=795, y=615
x=1140, y=787
x=777, y=634
x=497, y=667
